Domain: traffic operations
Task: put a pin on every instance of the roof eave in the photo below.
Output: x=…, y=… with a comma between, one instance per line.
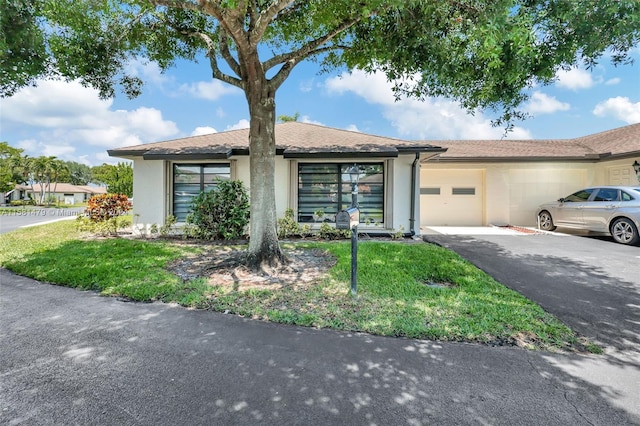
x=342, y=154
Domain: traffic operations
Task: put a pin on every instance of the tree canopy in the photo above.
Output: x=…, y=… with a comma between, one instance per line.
x=482, y=53
x=118, y=178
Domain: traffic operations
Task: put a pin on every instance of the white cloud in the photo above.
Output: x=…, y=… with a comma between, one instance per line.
x=209, y=90
x=619, y=107
x=540, y=103
x=65, y=117
x=149, y=72
x=306, y=85
x=432, y=118
x=574, y=79
x=242, y=124
x=204, y=130
x=353, y=128
x=306, y=119
x=613, y=81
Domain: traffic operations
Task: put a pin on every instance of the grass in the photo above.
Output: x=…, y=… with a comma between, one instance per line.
x=393, y=298
x=134, y=269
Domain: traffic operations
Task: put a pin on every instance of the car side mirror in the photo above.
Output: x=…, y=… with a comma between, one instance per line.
x=561, y=200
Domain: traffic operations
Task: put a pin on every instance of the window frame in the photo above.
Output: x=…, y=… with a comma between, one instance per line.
x=202, y=182
x=341, y=193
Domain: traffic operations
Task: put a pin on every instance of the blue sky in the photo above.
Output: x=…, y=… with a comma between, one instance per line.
x=69, y=121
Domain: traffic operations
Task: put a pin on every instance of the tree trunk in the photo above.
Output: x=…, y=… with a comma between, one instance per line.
x=263, y=244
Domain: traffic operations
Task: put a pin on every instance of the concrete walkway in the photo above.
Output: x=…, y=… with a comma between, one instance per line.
x=72, y=357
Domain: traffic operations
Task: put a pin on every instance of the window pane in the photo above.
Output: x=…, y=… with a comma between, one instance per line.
x=327, y=187
x=579, y=196
x=606, y=194
x=463, y=191
x=191, y=179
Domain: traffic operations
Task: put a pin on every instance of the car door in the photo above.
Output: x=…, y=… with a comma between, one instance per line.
x=599, y=209
x=569, y=211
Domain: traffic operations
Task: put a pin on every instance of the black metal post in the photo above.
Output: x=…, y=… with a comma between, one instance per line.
x=354, y=244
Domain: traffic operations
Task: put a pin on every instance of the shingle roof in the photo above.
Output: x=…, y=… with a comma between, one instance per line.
x=620, y=142
x=293, y=139
x=66, y=188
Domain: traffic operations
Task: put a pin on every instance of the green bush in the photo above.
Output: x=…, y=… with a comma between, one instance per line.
x=220, y=213
x=103, y=227
x=328, y=232
x=28, y=202
x=288, y=226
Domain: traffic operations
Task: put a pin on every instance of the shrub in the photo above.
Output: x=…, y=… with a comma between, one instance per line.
x=328, y=232
x=101, y=208
x=105, y=227
x=104, y=214
x=29, y=202
x=289, y=227
x=222, y=212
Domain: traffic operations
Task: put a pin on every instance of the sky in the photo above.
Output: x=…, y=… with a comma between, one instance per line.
x=66, y=120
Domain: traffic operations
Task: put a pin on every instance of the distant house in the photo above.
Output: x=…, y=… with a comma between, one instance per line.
x=405, y=184
x=62, y=193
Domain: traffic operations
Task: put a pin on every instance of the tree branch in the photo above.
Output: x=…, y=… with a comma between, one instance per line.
x=226, y=53
x=290, y=64
x=211, y=54
x=266, y=16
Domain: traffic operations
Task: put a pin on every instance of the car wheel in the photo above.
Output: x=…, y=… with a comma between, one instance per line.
x=624, y=231
x=546, y=221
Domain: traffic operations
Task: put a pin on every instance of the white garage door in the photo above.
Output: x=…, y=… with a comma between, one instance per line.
x=451, y=197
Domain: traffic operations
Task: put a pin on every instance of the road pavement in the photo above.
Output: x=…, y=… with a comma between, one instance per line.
x=72, y=357
x=37, y=216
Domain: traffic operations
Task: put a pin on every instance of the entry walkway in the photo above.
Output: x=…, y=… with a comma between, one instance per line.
x=478, y=230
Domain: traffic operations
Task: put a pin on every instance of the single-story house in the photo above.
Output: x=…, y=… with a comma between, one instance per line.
x=311, y=174
x=63, y=193
x=500, y=182
x=404, y=184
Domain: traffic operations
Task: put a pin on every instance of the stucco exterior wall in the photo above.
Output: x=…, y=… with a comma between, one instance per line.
x=401, y=190
x=150, y=193
x=617, y=172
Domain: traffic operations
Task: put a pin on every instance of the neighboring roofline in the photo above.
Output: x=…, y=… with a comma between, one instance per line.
x=590, y=158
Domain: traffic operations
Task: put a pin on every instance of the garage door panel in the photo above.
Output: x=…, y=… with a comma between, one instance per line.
x=451, y=197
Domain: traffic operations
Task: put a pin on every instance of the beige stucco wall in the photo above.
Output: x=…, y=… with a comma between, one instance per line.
x=512, y=191
x=401, y=199
x=617, y=172
x=149, y=193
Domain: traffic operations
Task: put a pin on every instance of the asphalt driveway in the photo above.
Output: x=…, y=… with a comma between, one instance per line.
x=591, y=284
x=72, y=357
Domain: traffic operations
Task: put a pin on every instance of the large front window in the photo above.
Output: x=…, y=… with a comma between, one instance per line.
x=191, y=179
x=325, y=188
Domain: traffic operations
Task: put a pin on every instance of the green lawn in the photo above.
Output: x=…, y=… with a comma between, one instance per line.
x=393, y=298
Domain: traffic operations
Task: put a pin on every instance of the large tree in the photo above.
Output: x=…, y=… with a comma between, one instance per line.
x=483, y=53
x=118, y=178
x=10, y=175
x=79, y=174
